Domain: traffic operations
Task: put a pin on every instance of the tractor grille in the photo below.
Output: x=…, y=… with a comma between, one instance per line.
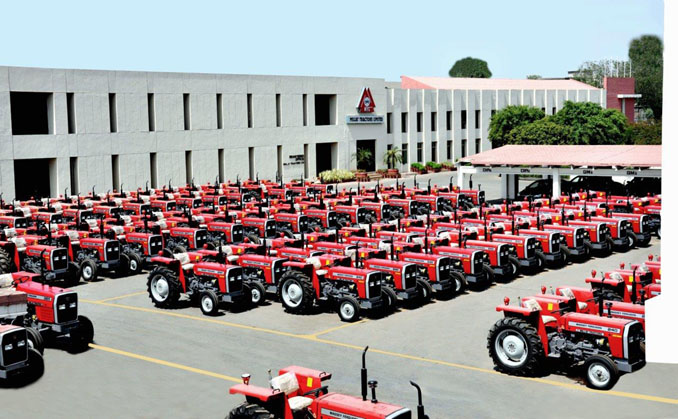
x=530, y=247
x=481, y=197
x=59, y=259
x=331, y=219
x=234, y=280
x=624, y=227
x=410, y=277
x=278, y=270
x=270, y=229
x=555, y=242
x=155, y=245
x=237, y=233
x=634, y=335
x=478, y=259
x=303, y=223
x=66, y=307
x=444, y=267
x=200, y=238
x=112, y=250
x=374, y=285
x=385, y=212
x=14, y=347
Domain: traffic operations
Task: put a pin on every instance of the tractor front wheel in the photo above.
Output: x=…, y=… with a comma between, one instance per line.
x=35, y=340
x=163, y=287
x=36, y=365
x=5, y=262
x=258, y=293
x=88, y=270
x=459, y=282
x=425, y=291
x=82, y=335
x=124, y=267
x=633, y=239
x=390, y=299
x=135, y=263
x=515, y=347
x=601, y=373
x=250, y=411
x=515, y=266
x=541, y=261
x=296, y=292
x=349, y=309
x=565, y=252
x=209, y=303
x=490, y=274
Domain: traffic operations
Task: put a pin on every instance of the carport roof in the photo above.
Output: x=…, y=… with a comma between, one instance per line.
x=570, y=155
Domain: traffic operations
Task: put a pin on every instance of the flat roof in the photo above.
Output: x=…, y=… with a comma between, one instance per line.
x=453, y=83
x=570, y=155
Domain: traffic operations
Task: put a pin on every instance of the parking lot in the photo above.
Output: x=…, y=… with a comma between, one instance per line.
x=149, y=362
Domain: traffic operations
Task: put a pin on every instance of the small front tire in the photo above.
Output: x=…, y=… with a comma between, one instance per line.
x=349, y=309
x=600, y=372
x=209, y=303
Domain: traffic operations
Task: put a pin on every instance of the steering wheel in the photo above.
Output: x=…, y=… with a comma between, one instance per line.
x=316, y=392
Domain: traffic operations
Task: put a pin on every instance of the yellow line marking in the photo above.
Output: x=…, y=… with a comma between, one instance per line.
x=119, y=297
x=333, y=329
x=165, y=363
x=315, y=338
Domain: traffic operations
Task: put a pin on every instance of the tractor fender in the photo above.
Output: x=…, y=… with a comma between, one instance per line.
x=260, y=393
x=296, y=265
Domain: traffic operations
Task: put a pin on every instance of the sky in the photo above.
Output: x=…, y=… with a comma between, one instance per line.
x=314, y=38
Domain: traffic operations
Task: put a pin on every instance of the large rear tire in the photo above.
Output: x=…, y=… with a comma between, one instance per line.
x=296, y=292
x=600, y=372
x=250, y=411
x=5, y=262
x=163, y=287
x=565, y=252
x=515, y=347
x=135, y=263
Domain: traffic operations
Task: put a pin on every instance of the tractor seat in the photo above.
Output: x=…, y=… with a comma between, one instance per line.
x=126, y=219
x=92, y=223
x=533, y=305
x=567, y=293
x=6, y=280
x=385, y=246
x=57, y=207
x=158, y=215
x=162, y=224
x=444, y=235
x=146, y=198
x=288, y=384
x=350, y=253
x=227, y=250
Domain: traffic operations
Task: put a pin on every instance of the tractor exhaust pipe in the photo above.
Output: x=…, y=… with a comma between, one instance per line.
x=392, y=247
x=420, y=405
x=633, y=287
x=363, y=376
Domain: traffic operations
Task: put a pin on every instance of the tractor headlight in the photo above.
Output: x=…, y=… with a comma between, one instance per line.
x=62, y=306
x=9, y=347
x=72, y=305
x=20, y=344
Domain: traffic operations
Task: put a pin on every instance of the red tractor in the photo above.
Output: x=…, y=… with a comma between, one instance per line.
x=500, y=259
x=530, y=335
x=256, y=229
x=298, y=392
x=262, y=273
x=401, y=281
x=92, y=255
x=19, y=361
x=474, y=264
x=444, y=275
x=53, y=312
x=628, y=285
x=640, y=232
x=349, y=290
x=322, y=219
x=207, y=284
x=182, y=239
x=140, y=248
x=619, y=232
x=598, y=236
x=24, y=253
x=549, y=252
x=587, y=303
x=221, y=232
x=523, y=251
x=572, y=241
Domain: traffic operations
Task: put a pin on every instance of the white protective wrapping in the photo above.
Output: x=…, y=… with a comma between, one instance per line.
x=158, y=215
x=88, y=203
x=227, y=250
x=145, y=198
x=20, y=242
x=10, y=233
x=287, y=383
x=315, y=262
x=25, y=211
x=126, y=219
x=445, y=235
x=183, y=258
x=6, y=280
x=567, y=293
x=384, y=246
x=92, y=223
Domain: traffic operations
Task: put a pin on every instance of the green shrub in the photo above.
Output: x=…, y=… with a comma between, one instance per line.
x=336, y=175
x=417, y=166
x=433, y=165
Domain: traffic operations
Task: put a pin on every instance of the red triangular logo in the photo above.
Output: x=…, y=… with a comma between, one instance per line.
x=366, y=103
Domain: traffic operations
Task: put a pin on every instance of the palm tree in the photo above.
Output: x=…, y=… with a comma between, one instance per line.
x=362, y=157
x=392, y=157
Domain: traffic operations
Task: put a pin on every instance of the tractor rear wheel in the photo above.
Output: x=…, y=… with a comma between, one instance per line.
x=515, y=266
x=258, y=293
x=296, y=292
x=35, y=340
x=349, y=309
x=633, y=239
x=135, y=263
x=425, y=291
x=607, y=295
x=5, y=262
x=163, y=287
x=209, y=303
x=600, y=372
x=88, y=270
x=390, y=299
x=515, y=347
x=565, y=252
x=82, y=335
x=459, y=282
x=250, y=411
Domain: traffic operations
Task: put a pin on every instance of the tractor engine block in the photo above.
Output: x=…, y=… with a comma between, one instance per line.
x=198, y=284
x=577, y=350
x=83, y=254
x=32, y=265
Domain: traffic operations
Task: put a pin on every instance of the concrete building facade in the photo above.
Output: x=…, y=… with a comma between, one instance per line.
x=79, y=129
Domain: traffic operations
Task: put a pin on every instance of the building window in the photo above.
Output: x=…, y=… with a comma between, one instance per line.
x=477, y=119
x=249, y=110
x=151, y=112
x=448, y=120
x=553, y=110
x=278, y=115
x=420, y=121
x=32, y=113
x=75, y=187
x=222, y=164
x=389, y=118
x=189, y=166
x=403, y=150
x=325, y=109
x=463, y=148
x=449, y=150
x=434, y=121
x=463, y=119
x=477, y=145
x=304, y=106
x=70, y=111
x=250, y=153
x=154, y=170
x=113, y=111
x=434, y=151
x=187, y=111
x=403, y=122
x=220, y=111
x=115, y=167
x=420, y=152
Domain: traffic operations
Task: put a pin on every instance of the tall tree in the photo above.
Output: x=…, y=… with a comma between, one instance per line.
x=591, y=124
x=646, y=55
x=593, y=72
x=504, y=121
x=470, y=67
x=542, y=131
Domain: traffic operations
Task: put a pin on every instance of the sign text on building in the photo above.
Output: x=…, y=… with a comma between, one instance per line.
x=364, y=119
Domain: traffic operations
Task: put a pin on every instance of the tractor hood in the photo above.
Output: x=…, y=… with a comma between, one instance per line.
x=341, y=406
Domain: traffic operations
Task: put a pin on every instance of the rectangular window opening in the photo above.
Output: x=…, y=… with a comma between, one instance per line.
x=477, y=121
x=448, y=120
x=250, y=152
x=434, y=121
x=279, y=173
x=220, y=111
x=151, y=112
x=404, y=152
x=434, y=151
x=553, y=110
x=70, y=111
x=278, y=115
x=304, y=105
x=305, y=160
x=463, y=148
x=325, y=109
x=478, y=145
x=154, y=170
x=420, y=121
x=249, y=110
x=403, y=122
x=222, y=165
x=463, y=119
x=74, y=176
x=420, y=152
x=113, y=111
x=189, y=166
x=187, y=111
x=389, y=121
x=449, y=150
x=32, y=113
x=115, y=168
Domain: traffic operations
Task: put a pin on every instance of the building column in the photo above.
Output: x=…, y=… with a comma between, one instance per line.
x=555, y=174
x=504, y=185
x=512, y=186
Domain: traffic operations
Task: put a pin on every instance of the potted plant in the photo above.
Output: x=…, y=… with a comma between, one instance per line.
x=433, y=166
x=448, y=165
x=418, y=168
x=391, y=158
x=362, y=158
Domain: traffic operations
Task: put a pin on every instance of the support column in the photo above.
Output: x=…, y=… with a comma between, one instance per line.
x=460, y=177
x=512, y=186
x=555, y=173
x=504, y=185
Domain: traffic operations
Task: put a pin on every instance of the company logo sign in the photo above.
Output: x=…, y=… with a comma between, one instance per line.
x=366, y=103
